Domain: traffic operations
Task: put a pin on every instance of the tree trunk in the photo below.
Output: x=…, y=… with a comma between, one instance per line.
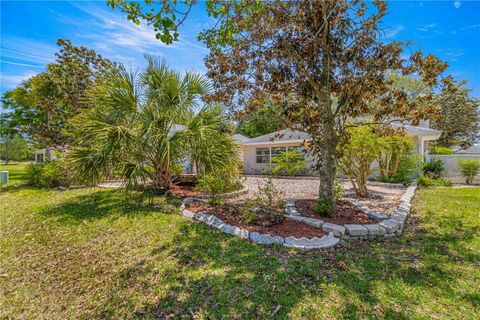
x=6, y=151
x=162, y=179
x=48, y=154
x=328, y=162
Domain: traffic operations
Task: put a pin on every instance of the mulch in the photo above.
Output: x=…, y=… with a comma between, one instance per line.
x=184, y=191
x=284, y=227
x=345, y=213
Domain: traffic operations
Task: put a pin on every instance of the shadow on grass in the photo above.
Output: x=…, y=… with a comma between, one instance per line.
x=217, y=276
x=198, y=271
x=108, y=203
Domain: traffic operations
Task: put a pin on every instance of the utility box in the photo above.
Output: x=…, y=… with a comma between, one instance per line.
x=3, y=177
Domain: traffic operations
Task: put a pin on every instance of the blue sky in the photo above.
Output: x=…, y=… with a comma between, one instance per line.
x=29, y=30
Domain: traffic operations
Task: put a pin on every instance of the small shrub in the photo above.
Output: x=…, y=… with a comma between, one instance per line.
x=324, y=206
x=429, y=182
x=215, y=200
x=216, y=184
x=433, y=169
x=395, y=160
x=469, y=169
x=51, y=174
x=440, y=150
x=357, y=155
x=265, y=208
x=248, y=213
x=290, y=163
x=338, y=189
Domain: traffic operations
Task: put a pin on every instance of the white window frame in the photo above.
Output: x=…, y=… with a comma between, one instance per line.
x=270, y=152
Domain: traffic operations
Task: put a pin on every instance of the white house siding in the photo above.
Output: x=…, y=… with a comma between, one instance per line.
x=250, y=166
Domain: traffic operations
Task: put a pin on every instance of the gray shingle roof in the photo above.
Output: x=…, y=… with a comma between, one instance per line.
x=290, y=135
x=285, y=135
x=240, y=137
x=472, y=150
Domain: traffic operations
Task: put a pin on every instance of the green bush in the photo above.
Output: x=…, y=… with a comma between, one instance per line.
x=338, y=189
x=395, y=160
x=266, y=207
x=469, y=169
x=433, y=169
x=357, y=153
x=215, y=200
x=440, y=150
x=290, y=163
x=217, y=183
x=324, y=206
x=51, y=174
x=429, y=182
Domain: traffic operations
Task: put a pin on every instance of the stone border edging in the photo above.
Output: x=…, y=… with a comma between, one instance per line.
x=389, y=226
x=326, y=241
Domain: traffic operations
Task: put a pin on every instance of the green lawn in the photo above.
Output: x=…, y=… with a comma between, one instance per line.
x=16, y=171
x=90, y=253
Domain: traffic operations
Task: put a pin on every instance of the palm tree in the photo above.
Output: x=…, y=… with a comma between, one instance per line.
x=144, y=126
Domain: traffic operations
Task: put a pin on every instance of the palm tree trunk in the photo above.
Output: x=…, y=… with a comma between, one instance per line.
x=162, y=179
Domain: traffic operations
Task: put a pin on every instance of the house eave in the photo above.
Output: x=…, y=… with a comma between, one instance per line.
x=269, y=143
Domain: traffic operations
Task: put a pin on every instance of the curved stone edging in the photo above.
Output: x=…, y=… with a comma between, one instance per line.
x=326, y=241
x=388, y=227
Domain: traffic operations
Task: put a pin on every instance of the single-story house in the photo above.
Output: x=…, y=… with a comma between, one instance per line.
x=258, y=151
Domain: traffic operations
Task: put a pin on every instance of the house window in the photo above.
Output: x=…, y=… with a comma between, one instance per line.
x=39, y=157
x=263, y=155
x=278, y=151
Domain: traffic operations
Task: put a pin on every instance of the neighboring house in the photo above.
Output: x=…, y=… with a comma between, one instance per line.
x=475, y=150
x=41, y=155
x=258, y=151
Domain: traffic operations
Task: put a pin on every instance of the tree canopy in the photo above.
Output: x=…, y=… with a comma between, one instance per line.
x=145, y=126
x=43, y=105
x=322, y=62
x=460, y=120
x=325, y=62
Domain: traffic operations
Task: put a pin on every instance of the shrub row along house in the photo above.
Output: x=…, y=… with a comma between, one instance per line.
x=258, y=152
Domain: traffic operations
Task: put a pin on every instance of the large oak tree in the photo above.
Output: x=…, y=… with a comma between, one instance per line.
x=324, y=62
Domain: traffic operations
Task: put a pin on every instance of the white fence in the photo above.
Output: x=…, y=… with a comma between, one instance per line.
x=452, y=172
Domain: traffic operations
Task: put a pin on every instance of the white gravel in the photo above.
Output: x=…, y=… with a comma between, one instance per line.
x=382, y=197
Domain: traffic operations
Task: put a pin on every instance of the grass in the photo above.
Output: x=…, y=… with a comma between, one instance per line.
x=91, y=253
x=17, y=172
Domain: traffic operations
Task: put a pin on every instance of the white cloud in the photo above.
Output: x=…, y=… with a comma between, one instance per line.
x=113, y=31
x=27, y=51
x=457, y=4
x=8, y=82
x=392, y=32
x=427, y=27
x=21, y=64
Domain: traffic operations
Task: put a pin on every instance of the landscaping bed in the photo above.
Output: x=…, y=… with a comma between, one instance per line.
x=383, y=197
x=345, y=213
x=283, y=227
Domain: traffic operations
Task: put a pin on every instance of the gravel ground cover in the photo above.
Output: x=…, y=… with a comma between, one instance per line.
x=382, y=197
